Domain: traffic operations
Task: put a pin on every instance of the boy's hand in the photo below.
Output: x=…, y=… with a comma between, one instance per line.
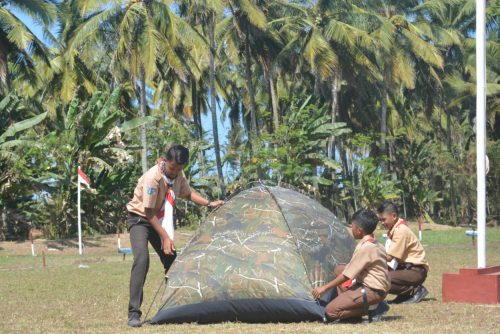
x=317, y=292
x=167, y=246
x=215, y=204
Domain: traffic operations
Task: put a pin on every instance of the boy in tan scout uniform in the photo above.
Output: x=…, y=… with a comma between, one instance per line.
x=410, y=267
x=364, y=281
x=143, y=220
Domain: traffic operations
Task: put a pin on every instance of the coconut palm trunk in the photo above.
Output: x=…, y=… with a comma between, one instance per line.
x=144, y=156
x=274, y=100
x=452, y=183
x=197, y=122
x=211, y=32
x=331, y=140
x=383, y=125
x=333, y=111
x=249, y=83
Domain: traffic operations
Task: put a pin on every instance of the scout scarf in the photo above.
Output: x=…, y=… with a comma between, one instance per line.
x=166, y=213
x=400, y=222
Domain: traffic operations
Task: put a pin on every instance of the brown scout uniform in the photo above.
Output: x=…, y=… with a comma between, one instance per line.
x=412, y=265
x=368, y=266
x=151, y=190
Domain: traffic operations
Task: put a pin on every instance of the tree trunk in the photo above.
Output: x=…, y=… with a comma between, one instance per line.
x=383, y=127
x=346, y=174
x=197, y=122
x=333, y=111
x=274, y=101
x=251, y=93
x=213, y=105
x=452, y=183
x=317, y=82
x=144, y=158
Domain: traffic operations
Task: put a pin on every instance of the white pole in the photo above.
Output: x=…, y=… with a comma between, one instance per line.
x=32, y=244
x=79, y=222
x=480, y=131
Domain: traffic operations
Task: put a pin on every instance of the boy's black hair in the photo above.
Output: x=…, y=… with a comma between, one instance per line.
x=178, y=153
x=366, y=219
x=388, y=206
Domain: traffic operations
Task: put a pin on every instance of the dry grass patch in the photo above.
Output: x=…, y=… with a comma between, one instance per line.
x=64, y=298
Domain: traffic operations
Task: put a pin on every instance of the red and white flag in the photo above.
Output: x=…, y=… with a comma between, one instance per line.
x=82, y=178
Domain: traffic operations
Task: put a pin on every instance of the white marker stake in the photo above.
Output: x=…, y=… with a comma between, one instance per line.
x=80, y=250
x=32, y=245
x=420, y=229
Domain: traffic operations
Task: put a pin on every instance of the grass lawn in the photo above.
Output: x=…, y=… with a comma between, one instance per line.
x=63, y=298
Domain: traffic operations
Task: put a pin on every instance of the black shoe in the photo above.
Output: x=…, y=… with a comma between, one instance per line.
x=376, y=314
x=418, y=296
x=400, y=299
x=134, y=320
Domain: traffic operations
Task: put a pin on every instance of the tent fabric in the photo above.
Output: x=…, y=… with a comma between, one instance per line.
x=256, y=259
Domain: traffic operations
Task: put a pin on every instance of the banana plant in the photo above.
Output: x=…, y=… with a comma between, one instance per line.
x=95, y=137
x=15, y=138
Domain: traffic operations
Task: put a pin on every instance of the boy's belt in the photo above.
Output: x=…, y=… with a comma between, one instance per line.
x=135, y=215
x=407, y=266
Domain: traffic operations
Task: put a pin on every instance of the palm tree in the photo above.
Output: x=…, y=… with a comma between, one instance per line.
x=401, y=45
x=18, y=43
x=239, y=31
x=204, y=15
x=146, y=35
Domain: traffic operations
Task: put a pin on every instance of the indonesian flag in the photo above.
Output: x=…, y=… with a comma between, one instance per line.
x=82, y=178
x=166, y=214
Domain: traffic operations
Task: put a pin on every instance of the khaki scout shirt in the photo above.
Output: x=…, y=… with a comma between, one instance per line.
x=151, y=190
x=406, y=247
x=368, y=265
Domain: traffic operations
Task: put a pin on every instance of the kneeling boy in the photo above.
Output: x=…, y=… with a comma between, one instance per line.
x=368, y=271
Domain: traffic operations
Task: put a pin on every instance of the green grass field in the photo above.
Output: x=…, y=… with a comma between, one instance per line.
x=63, y=298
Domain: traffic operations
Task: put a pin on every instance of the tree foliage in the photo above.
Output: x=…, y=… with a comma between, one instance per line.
x=354, y=102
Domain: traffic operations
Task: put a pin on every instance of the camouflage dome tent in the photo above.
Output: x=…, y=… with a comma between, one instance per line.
x=256, y=259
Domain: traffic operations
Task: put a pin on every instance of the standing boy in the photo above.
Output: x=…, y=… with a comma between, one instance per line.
x=364, y=281
x=156, y=190
x=410, y=267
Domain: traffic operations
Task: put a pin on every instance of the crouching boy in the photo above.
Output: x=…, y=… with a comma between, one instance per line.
x=364, y=281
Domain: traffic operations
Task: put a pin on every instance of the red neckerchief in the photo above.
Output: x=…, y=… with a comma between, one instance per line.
x=371, y=239
x=400, y=222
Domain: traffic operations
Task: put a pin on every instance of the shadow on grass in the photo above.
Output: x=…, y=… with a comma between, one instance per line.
x=61, y=244
x=391, y=318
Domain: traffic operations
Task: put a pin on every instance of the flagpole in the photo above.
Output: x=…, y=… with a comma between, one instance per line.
x=481, y=131
x=79, y=219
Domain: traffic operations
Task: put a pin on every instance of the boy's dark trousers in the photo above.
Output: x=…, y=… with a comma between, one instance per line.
x=140, y=233
x=405, y=280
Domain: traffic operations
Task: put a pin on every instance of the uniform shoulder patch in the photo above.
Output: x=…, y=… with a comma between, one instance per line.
x=150, y=190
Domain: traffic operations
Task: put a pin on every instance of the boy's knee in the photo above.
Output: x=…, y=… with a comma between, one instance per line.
x=141, y=257
x=333, y=312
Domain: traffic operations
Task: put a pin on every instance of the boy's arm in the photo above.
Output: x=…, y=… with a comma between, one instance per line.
x=317, y=292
